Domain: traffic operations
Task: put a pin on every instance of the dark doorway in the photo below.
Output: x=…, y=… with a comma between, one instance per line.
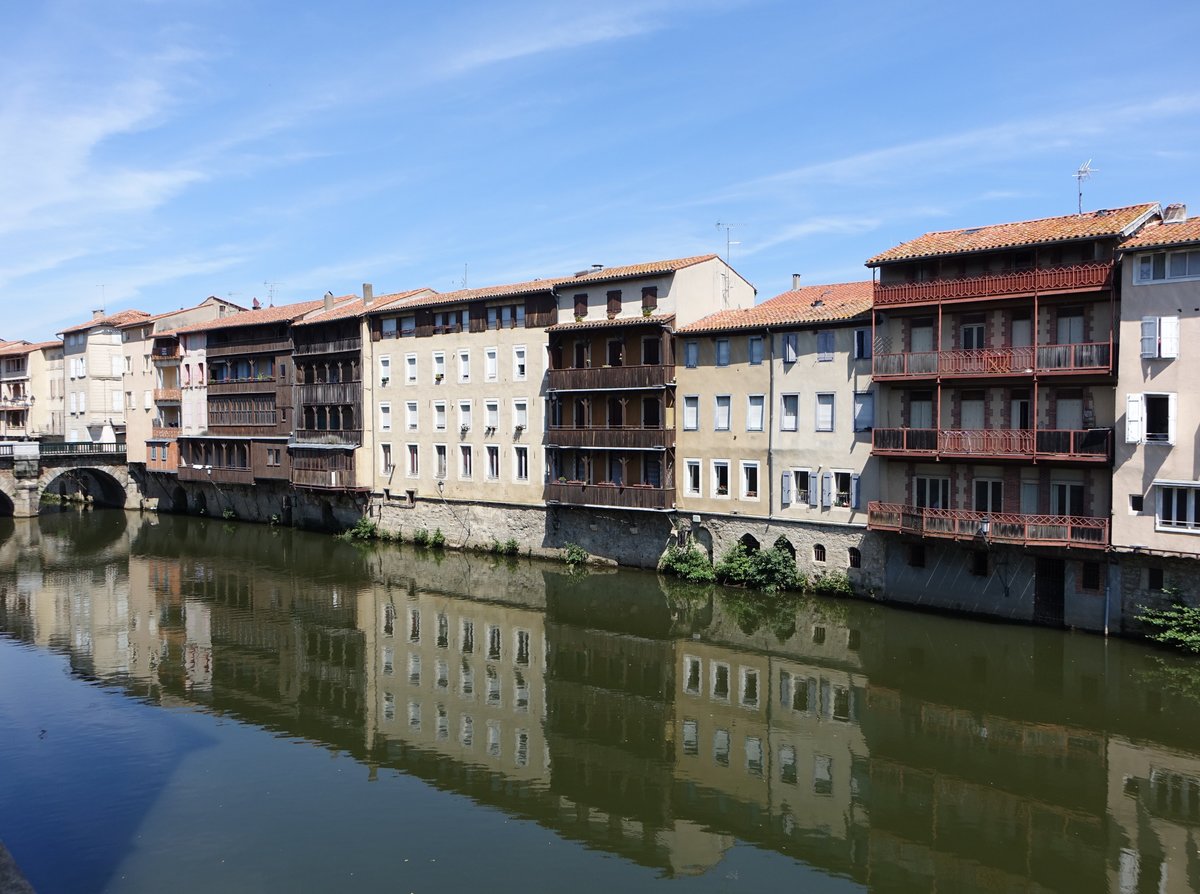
x=1048, y=592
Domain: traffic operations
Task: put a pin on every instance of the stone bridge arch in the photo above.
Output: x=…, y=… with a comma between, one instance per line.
x=28, y=475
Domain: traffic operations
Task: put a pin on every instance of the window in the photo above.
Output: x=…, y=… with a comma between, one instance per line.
x=414, y=461
x=824, y=346
x=466, y=637
x=464, y=416
x=493, y=462
x=439, y=416
x=410, y=415
x=650, y=298
x=385, y=417
x=691, y=477
x=721, y=747
x=845, y=487
x=1160, y=336
x=388, y=327
x=1168, y=265
x=791, y=347
x=1155, y=580
x=491, y=415
x=755, y=350
x=521, y=463
x=493, y=643
x=519, y=370
x=855, y=557
x=489, y=363
x=864, y=410
x=749, y=480
x=466, y=460
x=824, y=419
x=931, y=493
x=720, y=680
x=385, y=371
x=439, y=455
x=614, y=302
x=464, y=366
x=1089, y=575
x=722, y=352
x=439, y=366
x=691, y=354
x=754, y=412
x=520, y=414
x=862, y=344
x=386, y=457
x=749, y=687
x=1135, y=503
x=581, y=305
x=818, y=552
x=691, y=412
x=1150, y=418
x=796, y=487
x=408, y=325
x=1177, y=507
x=720, y=474
x=721, y=418
x=789, y=412
x=410, y=369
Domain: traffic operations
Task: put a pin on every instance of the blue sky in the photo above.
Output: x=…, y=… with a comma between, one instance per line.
x=154, y=153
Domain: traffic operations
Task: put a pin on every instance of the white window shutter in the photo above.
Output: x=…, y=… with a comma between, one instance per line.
x=812, y=490
x=118, y=367
x=826, y=490
x=1171, y=406
x=1149, y=336
x=1133, y=418
x=854, y=495
x=1168, y=337
x=785, y=489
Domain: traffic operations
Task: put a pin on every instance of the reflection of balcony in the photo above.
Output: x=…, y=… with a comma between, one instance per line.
x=629, y=496
x=611, y=438
x=1006, y=361
x=600, y=378
x=996, y=527
x=1056, y=280
x=167, y=395
x=1086, y=445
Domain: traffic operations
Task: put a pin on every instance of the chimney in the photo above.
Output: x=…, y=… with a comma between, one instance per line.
x=97, y=314
x=329, y=300
x=795, y=281
x=368, y=293
x=1175, y=213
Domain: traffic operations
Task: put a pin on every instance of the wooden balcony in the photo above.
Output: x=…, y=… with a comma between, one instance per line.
x=627, y=496
x=996, y=527
x=331, y=393
x=1093, y=357
x=19, y=402
x=167, y=395
x=1047, y=281
x=271, y=345
x=263, y=385
x=601, y=378
x=330, y=479
x=331, y=346
x=215, y=475
x=166, y=355
x=341, y=437
x=611, y=437
x=1086, y=445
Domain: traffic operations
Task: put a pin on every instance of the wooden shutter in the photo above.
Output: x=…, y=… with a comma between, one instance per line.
x=1134, y=404
x=1149, y=336
x=1168, y=335
x=785, y=489
x=854, y=493
x=478, y=318
x=826, y=490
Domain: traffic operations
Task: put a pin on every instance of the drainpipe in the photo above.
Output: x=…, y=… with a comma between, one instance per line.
x=769, y=414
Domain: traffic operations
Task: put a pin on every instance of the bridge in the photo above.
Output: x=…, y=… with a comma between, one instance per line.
x=30, y=469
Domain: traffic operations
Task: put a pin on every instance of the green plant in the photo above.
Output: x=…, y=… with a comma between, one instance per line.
x=363, y=529
x=274, y=520
x=438, y=539
x=833, y=583
x=575, y=555
x=1176, y=625
x=494, y=547
x=688, y=562
x=228, y=514
x=511, y=546
x=769, y=570
x=421, y=537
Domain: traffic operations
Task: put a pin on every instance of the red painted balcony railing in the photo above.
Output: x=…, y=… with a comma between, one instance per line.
x=1086, y=445
x=996, y=527
x=626, y=496
x=1078, y=278
x=1083, y=358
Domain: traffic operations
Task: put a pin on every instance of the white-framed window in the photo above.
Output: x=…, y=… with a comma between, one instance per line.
x=1163, y=265
x=490, y=366
x=439, y=366
x=1150, y=418
x=691, y=354
x=721, y=414
x=749, y=480
x=520, y=369
x=691, y=674
x=464, y=365
x=385, y=370
x=414, y=460
x=795, y=488
x=466, y=461
x=864, y=410
x=1177, y=506
x=931, y=493
x=520, y=463
x=116, y=400
x=520, y=413
x=439, y=457
x=691, y=477
x=410, y=415
x=1160, y=337
x=719, y=682
x=385, y=458
x=388, y=327
x=789, y=412
x=410, y=369
x=464, y=416
x=824, y=417
x=493, y=462
x=385, y=417
x=844, y=487
x=791, y=347
x=750, y=696
x=691, y=412
x=754, y=350
x=82, y=401
x=439, y=415
x=862, y=344
x=755, y=405
x=722, y=352
x=824, y=345
x=720, y=478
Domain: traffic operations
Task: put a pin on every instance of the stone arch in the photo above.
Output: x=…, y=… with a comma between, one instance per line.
x=201, y=503
x=782, y=543
x=6, y=505
x=179, y=500
x=750, y=542
x=100, y=485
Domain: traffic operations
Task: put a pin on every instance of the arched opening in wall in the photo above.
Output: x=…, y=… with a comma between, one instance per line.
x=94, y=486
x=287, y=512
x=749, y=543
x=818, y=552
x=179, y=501
x=201, y=503
x=328, y=521
x=855, y=557
x=6, y=505
x=782, y=543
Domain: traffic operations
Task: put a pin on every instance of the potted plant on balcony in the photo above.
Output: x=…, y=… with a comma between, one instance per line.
x=438, y=377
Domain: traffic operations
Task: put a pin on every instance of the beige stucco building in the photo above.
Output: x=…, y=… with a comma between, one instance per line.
x=94, y=372
x=31, y=390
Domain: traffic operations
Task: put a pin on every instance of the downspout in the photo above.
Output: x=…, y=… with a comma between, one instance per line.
x=769, y=412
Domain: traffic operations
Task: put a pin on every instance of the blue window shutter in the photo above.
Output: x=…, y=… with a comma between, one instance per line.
x=785, y=489
x=826, y=490
x=854, y=495
x=813, y=490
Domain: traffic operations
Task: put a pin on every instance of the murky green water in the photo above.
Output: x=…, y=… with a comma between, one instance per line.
x=189, y=705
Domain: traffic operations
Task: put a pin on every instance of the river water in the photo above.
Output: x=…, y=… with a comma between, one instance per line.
x=194, y=705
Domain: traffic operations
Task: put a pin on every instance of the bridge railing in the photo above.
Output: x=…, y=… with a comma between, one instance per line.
x=6, y=449
x=81, y=448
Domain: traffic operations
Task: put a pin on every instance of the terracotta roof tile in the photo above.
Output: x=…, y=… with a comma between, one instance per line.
x=15, y=348
x=1159, y=234
x=352, y=306
x=283, y=313
x=810, y=304
x=114, y=320
x=1108, y=222
x=656, y=319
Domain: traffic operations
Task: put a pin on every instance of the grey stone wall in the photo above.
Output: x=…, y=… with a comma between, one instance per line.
x=1178, y=575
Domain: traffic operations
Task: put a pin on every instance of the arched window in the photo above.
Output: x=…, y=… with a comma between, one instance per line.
x=855, y=557
x=819, y=552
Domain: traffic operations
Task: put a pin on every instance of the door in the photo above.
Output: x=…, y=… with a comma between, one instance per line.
x=989, y=495
x=1069, y=412
x=1066, y=498
x=1070, y=327
x=972, y=335
x=1049, y=592
x=1022, y=332
x=922, y=336
x=972, y=412
x=1029, y=497
x=1020, y=409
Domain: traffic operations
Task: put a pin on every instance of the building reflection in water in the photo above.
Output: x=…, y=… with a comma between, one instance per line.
x=907, y=752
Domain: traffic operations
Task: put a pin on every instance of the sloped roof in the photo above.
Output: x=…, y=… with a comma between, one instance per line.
x=17, y=348
x=111, y=320
x=353, y=306
x=1093, y=224
x=653, y=319
x=283, y=313
x=810, y=304
x=1158, y=234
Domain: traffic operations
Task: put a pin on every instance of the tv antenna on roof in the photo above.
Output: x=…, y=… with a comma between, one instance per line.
x=270, y=292
x=728, y=243
x=1085, y=172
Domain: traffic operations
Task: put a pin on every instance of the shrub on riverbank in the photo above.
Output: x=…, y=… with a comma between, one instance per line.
x=1177, y=625
x=688, y=562
x=575, y=556
x=769, y=570
x=834, y=584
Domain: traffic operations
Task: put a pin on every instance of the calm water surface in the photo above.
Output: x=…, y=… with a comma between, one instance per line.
x=191, y=705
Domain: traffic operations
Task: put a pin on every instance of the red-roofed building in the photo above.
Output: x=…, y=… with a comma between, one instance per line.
x=94, y=367
x=994, y=359
x=31, y=390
